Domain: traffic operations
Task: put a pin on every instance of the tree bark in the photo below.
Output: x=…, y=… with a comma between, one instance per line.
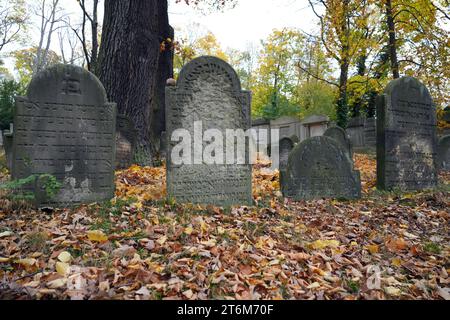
x=128, y=63
x=94, y=30
x=392, y=40
x=344, y=63
x=164, y=72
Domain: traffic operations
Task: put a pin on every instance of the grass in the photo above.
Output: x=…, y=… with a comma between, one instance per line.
x=432, y=247
x=37, y=241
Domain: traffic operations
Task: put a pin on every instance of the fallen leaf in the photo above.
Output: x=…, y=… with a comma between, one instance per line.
x=97, y=236
x=397, y=262
x=62, y=268
x=58, y=283
x=373, y=248
x=321, y=244
x=392, y=291
x=65, y=257
x=162, y=240
x=6, y=234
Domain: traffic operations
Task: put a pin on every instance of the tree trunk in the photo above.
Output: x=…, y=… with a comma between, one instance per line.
x=128, y=62
x=94, y=30
x=392, y=40
x=164, y=72
x=342, y=107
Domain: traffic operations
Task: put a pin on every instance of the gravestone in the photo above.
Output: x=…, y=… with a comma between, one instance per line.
x=319, y=167
x=406, y=137
x=163, y=145
x=355, y=131
x=339, y=134
x=208, y=92
x=285, y=147
x=8, y=146
x=444, y=153
x=66, y=128
x=370, y=133
x=126, y=139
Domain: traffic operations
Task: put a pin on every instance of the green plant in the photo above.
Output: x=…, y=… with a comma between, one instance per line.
x=20, y=188
x=142, y=156
x=432, y=247
x=8, y=90
x=37, y=241
x=353, y=286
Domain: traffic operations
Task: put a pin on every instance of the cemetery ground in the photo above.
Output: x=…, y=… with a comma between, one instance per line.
x=387, y=245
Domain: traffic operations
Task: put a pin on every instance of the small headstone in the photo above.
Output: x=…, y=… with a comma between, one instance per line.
x=126, y=139
x=319, y=167
x=66, y=128
x=444, y=153
x=406, y=137
x=339, y=134
x=208, y=92
x=286, y=146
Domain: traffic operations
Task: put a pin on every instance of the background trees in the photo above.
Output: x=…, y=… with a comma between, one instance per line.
x=338, y=70
x=12, y=22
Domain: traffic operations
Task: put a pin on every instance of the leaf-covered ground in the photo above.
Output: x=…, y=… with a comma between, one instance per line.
x=139, y=246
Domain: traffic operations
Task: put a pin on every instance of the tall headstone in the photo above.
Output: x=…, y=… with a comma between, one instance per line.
x=319, y=167
x=126, y=139
x=444, y=153
x=339, y=134
x=66, y=128
x=285, y=147
x=208, y=92
x=406, y=137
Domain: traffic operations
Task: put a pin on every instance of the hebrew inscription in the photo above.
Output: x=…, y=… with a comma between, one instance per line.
x=406, y=137
x=208, y=92
x=65, y=128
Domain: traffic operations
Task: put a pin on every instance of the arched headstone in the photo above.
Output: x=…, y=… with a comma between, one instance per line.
x=66, y=128
x=208, y=94
x=339, y=134
x=286, y=146
x=320, y=168
x=444, y=153
x=406, y=136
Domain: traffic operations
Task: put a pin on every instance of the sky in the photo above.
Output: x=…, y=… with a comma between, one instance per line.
x=247, y=23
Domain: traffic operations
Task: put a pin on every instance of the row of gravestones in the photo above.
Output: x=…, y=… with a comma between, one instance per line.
x=65, y=127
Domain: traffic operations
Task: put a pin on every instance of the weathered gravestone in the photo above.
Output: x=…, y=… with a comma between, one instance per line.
x=406, y=137
x=208, y=92
x=8, y=145
x=126, y=138
x=285, y=147
x=444, y=153
x=319, y=167
x=339, y=134
x=66, y=128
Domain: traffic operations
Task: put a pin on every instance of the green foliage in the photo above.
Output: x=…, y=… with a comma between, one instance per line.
x=432, y=247
x=8, y=90
x=342, y=113
x=19, y=191
x=277, y=76
x=280, y=106
x=194, y=43
x=316, y=97
x=25, y=62
x=142, y=156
